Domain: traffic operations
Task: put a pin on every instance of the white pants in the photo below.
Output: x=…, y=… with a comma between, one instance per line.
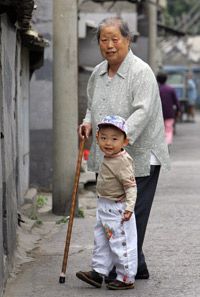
x=114, y=243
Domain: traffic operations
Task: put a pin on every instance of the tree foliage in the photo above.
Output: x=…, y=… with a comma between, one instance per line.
x=178, y=9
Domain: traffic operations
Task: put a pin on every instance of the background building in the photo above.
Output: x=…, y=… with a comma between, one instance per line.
x=89, y=15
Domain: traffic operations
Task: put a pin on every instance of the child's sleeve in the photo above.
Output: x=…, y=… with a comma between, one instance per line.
x=128, y=181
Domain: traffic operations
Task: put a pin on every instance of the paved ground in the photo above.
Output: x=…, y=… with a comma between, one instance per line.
x=172, y=244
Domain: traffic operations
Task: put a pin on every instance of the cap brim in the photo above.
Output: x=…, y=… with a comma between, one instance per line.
x=110, y=124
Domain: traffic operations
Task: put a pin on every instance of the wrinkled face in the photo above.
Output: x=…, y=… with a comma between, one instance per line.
x=114, y=47
x=111, y=140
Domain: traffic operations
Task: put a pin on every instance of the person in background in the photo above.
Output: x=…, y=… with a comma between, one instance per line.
x=191, y=98
x=125, y=85
x=115, y=235
x=170, y=106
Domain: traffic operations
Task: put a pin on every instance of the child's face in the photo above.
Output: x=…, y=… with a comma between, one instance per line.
x=111, y=140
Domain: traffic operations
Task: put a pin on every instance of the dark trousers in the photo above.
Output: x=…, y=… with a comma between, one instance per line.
x=146, y=187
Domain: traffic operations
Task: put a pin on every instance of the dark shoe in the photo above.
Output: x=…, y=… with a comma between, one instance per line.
x=111, y=277
x=92, y=278
x=117, y=285
x=142, y=274
x=108, y=280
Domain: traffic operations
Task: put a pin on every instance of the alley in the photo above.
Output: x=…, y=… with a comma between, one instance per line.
x=171, y=246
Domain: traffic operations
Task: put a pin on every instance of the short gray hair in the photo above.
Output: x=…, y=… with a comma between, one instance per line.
x=123, y=27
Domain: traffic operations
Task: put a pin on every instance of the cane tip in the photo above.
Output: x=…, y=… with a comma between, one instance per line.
x=62, y=278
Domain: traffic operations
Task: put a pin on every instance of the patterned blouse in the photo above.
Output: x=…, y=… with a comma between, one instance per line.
x=134, y=95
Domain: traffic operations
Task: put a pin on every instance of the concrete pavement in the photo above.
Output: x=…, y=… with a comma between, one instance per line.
x=172, y=243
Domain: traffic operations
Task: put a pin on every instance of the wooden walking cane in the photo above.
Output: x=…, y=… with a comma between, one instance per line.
x=72, y=211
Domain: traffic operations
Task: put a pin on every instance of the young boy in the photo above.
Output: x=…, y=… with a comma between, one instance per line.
x=115, y=236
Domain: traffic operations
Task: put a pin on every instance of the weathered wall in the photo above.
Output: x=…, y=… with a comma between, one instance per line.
x=14, y=149
x=1, y=198
x=8, y=116
x=22, y=118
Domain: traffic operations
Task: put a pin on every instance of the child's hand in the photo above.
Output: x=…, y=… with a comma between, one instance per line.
x=126, y=217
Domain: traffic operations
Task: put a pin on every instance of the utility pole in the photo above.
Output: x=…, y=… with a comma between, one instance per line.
x=65, y=103
x=152, y=33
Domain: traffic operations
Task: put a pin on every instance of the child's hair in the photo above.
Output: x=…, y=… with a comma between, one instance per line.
x=114, y=121
x=104, y=126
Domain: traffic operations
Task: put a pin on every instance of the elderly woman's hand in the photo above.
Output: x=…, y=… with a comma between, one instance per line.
x=85, y=130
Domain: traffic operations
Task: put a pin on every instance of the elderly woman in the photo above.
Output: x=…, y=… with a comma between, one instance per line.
x=124, y=85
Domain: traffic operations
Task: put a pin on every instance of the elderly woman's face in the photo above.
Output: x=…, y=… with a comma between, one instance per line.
x=114, y=47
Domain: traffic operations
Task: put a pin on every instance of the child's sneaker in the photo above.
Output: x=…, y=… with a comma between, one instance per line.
x=91, y=277
x=117, y=285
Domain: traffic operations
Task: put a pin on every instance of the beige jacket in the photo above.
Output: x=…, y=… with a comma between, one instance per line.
x=116, y=179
